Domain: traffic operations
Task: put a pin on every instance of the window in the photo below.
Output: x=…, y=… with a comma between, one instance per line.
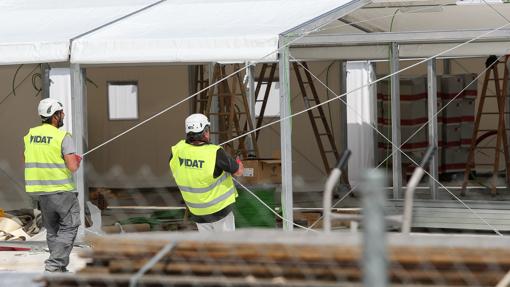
x=273, y=101
x=123, y=100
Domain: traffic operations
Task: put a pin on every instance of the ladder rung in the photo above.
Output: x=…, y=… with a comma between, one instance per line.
x=329, y=151
x=224, y=132
x=324, y=134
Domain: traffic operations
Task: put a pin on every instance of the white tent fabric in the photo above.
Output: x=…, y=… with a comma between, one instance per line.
x=361, y=114
x=199, y=31
x=35, y=31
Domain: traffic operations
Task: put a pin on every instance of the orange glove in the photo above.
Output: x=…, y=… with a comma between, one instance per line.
x=78, y=158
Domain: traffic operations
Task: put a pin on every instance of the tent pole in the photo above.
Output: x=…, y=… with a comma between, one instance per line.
x=286, y=138
x=79, y=108
x=395, y=122
x=432, y=110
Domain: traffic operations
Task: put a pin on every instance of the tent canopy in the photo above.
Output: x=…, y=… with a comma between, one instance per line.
x=422, y=30
x=37, y=31
x=204, y=31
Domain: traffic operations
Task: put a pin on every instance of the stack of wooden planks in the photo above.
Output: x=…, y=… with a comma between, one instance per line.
x=276, y=258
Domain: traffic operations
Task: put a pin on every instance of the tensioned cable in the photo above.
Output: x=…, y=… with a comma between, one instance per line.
x=271, y=209
x=212, y=85
x=288, y=117
x=411, y=136
x=202, y=90
x=398, y=149
x=497, y=12
x=371, y=83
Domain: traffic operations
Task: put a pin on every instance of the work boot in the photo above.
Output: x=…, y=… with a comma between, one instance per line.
x=56, y=270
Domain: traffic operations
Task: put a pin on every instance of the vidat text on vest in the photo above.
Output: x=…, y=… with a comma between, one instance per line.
x=194, y=163
x=40, y=139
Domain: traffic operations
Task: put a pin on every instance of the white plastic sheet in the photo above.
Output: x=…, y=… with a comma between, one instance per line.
x=360, y=115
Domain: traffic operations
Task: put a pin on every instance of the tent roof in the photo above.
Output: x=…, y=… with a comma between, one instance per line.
x=204, y=31
x=421, y=30
x=37, y=31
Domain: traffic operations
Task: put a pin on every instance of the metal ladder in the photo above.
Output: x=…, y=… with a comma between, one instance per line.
x=263, y=100
x=501, y=137
x=321, y=129
x=199, y=102
x=232, y=110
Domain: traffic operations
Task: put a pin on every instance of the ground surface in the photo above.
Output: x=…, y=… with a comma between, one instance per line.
x=20, y=268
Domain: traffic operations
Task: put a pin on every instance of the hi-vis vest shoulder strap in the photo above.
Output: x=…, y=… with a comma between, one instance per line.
x=193, y=168
x=45, y=168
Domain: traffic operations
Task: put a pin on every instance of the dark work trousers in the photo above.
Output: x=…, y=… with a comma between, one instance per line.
x=61, y=218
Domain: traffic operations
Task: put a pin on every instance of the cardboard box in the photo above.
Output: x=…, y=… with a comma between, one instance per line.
x=260, y=171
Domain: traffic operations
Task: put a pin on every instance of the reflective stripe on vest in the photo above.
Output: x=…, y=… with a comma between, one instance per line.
x=45, y=168
x=49, y=182
x=212, y=202
x=193, y=169
x=204, y=189
x=44, y=165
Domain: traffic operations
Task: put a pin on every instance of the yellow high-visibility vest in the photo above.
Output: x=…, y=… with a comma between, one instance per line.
x=193, y=168
x=45, y=168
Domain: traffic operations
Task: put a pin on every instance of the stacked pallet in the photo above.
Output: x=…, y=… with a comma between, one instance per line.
x=291, y=259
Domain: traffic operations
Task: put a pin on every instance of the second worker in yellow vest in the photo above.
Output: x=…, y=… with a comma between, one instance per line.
x=203, y=172
x=50, y=160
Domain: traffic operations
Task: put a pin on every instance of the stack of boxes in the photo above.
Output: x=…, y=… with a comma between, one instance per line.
x=455, y=122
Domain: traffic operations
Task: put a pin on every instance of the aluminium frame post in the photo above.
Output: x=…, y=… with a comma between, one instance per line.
x=250, y=76
x=395, y=123
x=286, y=137
x=432, y=126
x=79, y=113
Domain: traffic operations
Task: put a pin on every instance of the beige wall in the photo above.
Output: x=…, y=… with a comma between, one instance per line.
x=17, y=114
x=141, y=155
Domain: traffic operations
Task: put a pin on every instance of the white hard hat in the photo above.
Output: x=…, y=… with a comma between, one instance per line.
x=47, y=107
x=196, y=123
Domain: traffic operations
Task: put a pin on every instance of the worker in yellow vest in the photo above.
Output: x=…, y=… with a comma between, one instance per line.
x=50, y=160
x=203, y=172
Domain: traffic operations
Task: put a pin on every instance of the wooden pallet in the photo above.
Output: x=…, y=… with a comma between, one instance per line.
x=291, y=259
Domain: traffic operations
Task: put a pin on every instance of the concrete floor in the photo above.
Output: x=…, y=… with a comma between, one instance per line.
x=21, y=268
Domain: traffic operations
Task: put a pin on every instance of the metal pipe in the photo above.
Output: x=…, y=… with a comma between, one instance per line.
x=411, y=187
x=330, y=186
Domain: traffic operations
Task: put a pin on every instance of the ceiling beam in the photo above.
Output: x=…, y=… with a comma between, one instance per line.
x=410, y=37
